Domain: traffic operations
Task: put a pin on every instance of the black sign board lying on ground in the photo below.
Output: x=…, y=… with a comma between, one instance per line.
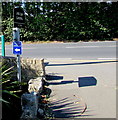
x=19, y=17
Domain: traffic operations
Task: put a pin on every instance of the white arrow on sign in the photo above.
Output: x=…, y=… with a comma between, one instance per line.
x=17, y=50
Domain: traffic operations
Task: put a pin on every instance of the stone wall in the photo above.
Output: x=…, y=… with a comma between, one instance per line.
x=34, y=103
x=31, y=68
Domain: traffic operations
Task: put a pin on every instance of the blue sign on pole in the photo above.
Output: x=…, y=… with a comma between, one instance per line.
x=17, y=47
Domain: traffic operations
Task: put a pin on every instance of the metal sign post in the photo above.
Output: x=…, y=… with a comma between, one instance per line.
x=17, y=50
x=19, y=21
x=19, y=68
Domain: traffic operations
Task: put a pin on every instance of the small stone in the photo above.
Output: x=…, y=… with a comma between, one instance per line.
x=40, y=111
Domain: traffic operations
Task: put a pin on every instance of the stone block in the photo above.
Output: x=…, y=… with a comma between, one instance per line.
x=29, y=104
x=35, y=85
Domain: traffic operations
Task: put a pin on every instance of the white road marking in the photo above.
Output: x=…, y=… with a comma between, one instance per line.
x=23, y=48
x=90, y=46
x=82, y=46
x=29, y=48
x=107, y=58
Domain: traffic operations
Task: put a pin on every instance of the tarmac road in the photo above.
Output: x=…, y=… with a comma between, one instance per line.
x=80, y=50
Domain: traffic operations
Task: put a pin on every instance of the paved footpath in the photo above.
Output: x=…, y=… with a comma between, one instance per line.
x=82, y=88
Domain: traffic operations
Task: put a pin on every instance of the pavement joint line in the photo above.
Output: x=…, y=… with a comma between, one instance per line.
x=98, y=60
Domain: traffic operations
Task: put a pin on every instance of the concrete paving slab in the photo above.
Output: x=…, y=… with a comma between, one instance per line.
x=69, y=100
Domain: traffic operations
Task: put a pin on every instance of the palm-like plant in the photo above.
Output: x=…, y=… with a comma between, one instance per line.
x=10, y=91
x=8, y=86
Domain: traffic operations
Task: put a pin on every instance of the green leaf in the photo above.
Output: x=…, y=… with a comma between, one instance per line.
x=2, y=100
x=10, y=93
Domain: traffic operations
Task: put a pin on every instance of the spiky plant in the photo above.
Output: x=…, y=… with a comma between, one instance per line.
x=11, y=92
x=8, y=86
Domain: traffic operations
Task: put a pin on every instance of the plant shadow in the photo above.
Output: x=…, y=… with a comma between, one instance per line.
x=65, y=108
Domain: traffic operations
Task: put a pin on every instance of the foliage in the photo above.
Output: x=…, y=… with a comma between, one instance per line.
x=8, y=26
x=64, y=21
x=11, y=92
x=9, y=87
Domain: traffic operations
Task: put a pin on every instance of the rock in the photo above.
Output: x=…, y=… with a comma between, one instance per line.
x=42, y=68
x=29, y=104
x=28, y=114
x=35, y=85
x=41, y=112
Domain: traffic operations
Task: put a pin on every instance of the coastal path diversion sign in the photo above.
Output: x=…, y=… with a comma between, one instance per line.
x=19, y=17
x=17, y=47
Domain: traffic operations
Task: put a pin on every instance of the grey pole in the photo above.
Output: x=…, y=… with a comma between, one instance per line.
x=16, y=37
x=18, y=59
x=18, y=68
x=18, y=22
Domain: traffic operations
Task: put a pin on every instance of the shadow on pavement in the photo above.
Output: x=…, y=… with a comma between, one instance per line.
x=84, y=63
x=53, y=77
x=63, y=82
x=64, y=108
x=87, y=81
x=82, y=81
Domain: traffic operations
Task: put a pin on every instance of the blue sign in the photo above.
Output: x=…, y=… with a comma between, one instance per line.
x=17, y=47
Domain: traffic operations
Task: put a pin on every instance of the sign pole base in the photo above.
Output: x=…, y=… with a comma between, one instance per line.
x=18, y=68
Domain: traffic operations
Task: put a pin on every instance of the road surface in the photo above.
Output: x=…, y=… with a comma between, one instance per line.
x=82, y=50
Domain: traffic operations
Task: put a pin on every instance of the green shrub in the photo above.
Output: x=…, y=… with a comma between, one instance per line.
x=11, y=93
